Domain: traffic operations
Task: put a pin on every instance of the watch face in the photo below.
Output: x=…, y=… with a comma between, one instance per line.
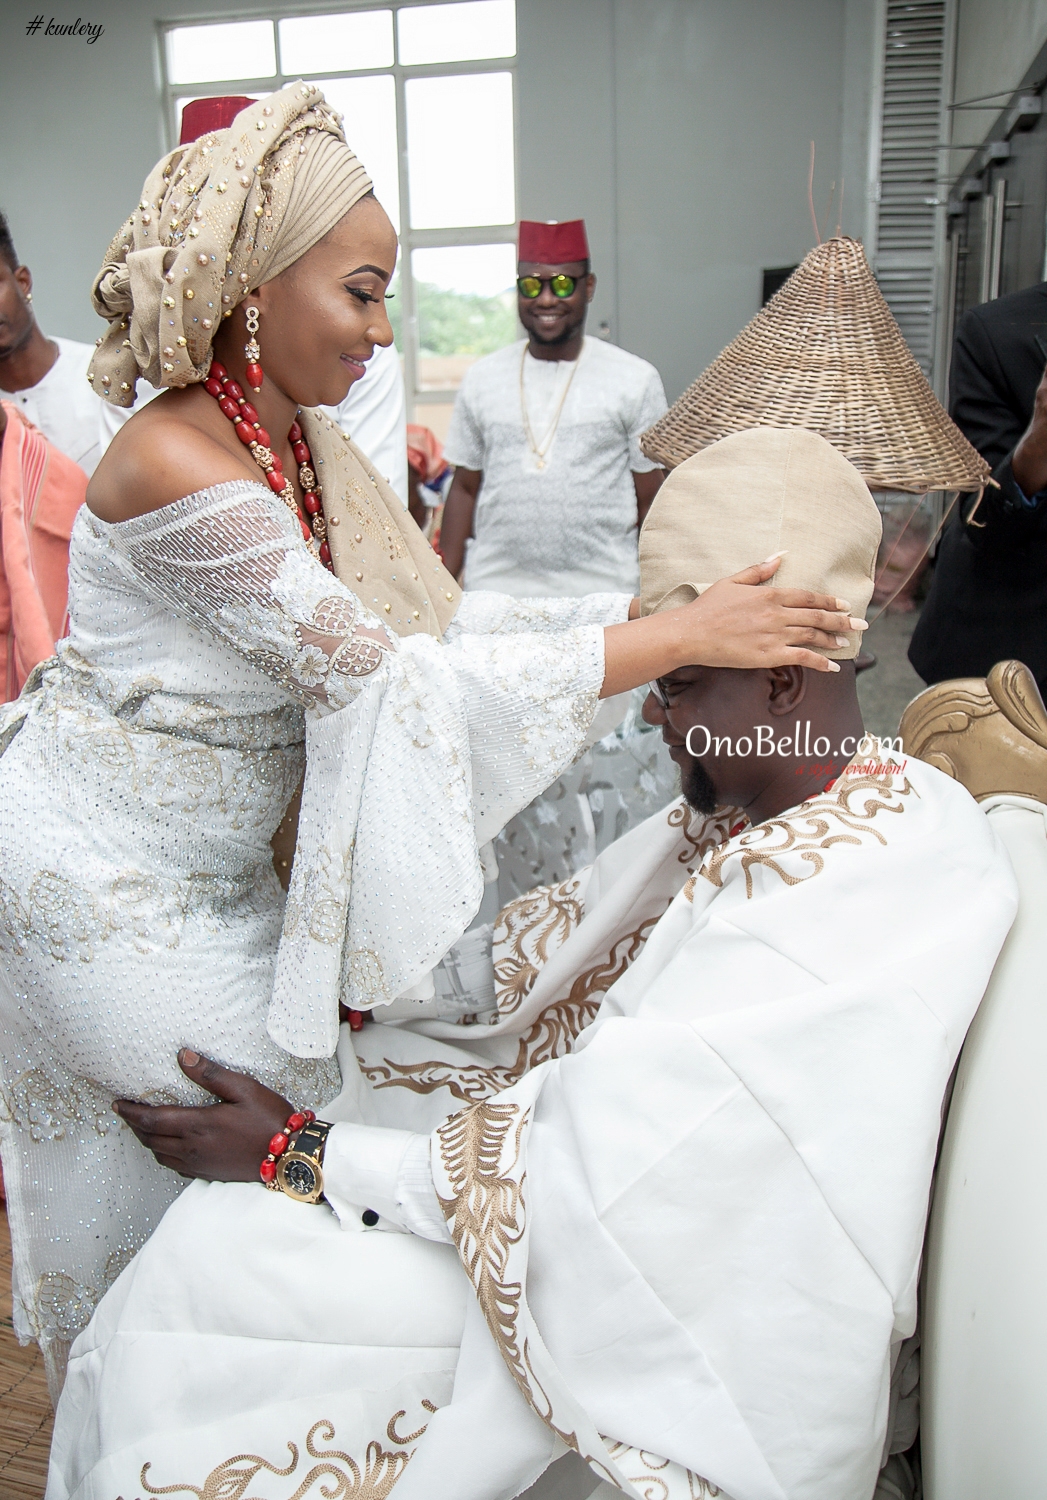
x=300, y=1179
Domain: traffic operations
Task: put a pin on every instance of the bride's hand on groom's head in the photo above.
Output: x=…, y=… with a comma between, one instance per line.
x=221, y=1142
x=751, y=625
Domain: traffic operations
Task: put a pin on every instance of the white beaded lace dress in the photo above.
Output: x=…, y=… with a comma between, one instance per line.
x=144, y=771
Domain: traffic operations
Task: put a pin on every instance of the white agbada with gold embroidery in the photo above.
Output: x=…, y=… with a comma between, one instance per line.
x=209, y=661
x=688, y=1245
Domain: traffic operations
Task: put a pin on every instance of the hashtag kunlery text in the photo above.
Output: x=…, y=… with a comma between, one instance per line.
x=89, y=31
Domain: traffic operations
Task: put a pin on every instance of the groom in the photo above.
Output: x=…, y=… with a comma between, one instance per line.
x=680, y=1236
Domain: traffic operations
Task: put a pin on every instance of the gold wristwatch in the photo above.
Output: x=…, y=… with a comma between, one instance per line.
x=299, y=1171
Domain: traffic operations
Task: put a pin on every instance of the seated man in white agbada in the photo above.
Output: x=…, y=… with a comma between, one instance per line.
x=662, y=1201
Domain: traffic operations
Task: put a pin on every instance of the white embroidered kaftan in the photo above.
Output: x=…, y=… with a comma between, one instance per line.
x=144, y=772
x=692, y=1239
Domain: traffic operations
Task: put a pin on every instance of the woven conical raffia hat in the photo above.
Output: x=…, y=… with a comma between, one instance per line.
x=825, y=353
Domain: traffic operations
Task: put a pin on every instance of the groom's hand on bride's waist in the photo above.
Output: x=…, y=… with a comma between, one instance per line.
x=221, y=1142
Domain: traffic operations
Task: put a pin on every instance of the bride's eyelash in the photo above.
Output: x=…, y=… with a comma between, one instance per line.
x=364, y=296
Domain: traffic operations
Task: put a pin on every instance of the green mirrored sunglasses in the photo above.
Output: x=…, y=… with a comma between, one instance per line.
x=531, y=286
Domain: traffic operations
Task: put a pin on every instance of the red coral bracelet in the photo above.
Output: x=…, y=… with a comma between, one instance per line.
x=280, y=1142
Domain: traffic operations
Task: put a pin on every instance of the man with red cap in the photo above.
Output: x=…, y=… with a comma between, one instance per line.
x=550, y=483
x=374, y=413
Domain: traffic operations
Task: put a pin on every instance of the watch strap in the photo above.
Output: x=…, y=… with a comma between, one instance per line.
x=299, y=1171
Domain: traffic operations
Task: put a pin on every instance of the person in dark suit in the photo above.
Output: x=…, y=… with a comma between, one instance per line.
x=988, y=599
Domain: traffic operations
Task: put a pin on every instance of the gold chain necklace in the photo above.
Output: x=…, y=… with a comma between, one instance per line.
x=540, y=452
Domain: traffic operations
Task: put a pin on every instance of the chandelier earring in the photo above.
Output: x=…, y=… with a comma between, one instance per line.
x=252, y=352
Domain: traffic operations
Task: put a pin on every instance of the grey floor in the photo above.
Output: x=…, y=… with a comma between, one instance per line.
x=885, y=689
x=567, y=1479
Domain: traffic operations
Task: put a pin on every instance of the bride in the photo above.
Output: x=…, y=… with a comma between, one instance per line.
x=248, y=600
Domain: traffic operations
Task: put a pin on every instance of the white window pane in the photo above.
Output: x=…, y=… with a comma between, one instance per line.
x=360, y=39
x=206, y=54
x=465, y=300
x=368, y=110
x=457, y=33
x=460, y=150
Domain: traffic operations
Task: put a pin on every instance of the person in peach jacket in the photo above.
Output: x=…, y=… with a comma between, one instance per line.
x=41, y=491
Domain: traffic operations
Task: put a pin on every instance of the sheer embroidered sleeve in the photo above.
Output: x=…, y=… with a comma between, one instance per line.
x=482, y=612
x=234, y=564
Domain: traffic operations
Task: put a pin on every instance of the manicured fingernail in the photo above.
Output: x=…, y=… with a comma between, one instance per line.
x=841, y=640
x=191, y=1058
x=858, y=624
x=115, y=1107
x=834, y=666
x=773, y=558
x=842, y=604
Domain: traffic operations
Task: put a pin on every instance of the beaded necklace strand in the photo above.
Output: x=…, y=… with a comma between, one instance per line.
x=253, y=435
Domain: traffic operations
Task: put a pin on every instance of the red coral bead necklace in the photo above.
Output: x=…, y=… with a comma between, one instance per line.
x=252, y=434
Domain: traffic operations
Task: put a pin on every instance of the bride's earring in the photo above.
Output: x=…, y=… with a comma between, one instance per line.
x=252, y=352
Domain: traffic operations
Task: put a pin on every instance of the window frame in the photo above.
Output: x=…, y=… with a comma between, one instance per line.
x=411, y=239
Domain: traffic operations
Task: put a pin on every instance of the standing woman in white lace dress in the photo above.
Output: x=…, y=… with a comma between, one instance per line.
x=213, y=655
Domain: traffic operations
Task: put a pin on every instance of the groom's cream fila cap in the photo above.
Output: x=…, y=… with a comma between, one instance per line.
x=765, y=490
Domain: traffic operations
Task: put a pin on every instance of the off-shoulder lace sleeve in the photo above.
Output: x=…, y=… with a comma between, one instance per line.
x=234, y=564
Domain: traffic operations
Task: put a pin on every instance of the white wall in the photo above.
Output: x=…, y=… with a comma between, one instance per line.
x=678, y=128
x=566, y=122
x=726, y=96
x=996, y=40
x=80, y=126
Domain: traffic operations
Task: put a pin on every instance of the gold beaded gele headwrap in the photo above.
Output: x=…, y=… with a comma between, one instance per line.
x=217, y=217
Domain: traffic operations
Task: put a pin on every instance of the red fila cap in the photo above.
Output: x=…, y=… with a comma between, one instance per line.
x=201, y=116
x=552, y=244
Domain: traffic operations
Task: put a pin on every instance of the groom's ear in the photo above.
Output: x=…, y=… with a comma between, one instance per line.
x=788, y=687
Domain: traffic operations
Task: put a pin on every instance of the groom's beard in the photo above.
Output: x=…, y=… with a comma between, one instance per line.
x=698, y=789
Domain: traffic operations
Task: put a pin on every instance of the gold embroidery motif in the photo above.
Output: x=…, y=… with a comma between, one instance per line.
x=319, y=897
x=62, y=1305
x=480, y=1149
x=650, y=1485
x=701, y=834
x=69, y=923
x=532, y=924
x=363, y=979
x=153, y=761
x=815, y=826
x=485, y=1215
x=38, y=1102
x=412, y=1437
x=552, y=1035
x=362, y=510
x=344, y=1478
